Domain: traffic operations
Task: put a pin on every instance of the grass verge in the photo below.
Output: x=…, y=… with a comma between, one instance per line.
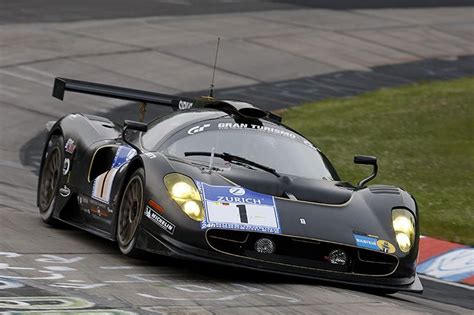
x=423, y=137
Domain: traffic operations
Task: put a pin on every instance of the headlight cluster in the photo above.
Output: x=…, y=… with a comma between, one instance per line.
x=183, y=190
x=404, y=227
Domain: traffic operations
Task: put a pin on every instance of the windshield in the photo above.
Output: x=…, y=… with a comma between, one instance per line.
x=277, y=148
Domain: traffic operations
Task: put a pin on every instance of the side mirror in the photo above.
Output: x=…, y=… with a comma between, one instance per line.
x=133, y=125
x=366, y=160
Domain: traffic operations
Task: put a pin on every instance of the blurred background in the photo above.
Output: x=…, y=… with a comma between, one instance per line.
x=389, y=78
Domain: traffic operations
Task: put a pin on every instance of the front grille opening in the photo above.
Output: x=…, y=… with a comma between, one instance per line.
x=369, y=262
x=300, y=252
x=230, y=236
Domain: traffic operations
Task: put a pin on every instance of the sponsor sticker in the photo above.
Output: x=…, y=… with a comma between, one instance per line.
x=93, y=207
x=366, y=241
x=70, y=146
x=99, y=211
x=159, y=220
x=372, y=242
x=386, y=246
x=272, y=130
x=237, y=191
x=66, y=166
x=184, y=105
x=197, y=129
x=64, y=191
x=236, y=208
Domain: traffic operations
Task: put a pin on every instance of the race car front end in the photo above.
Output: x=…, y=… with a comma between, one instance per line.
x=359, y=242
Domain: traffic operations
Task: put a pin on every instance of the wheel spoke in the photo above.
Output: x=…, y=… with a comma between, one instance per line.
x=49, y=179
x=130, y=210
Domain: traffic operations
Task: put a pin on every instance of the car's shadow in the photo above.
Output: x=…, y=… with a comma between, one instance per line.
x=202, y=271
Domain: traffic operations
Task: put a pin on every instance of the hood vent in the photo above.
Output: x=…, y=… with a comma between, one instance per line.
x=384, y=189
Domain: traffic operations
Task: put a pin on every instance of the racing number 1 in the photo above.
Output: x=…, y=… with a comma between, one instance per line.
x=243, y=213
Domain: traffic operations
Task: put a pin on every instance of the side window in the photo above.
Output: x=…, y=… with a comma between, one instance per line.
x=102, y=161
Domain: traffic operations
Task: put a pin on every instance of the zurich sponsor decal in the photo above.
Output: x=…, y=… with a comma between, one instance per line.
x=366, y=242
x=237, y=191
x=228, y=194
x=236, y=208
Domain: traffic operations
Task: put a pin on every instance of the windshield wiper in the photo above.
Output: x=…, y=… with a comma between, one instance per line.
x=235, y=158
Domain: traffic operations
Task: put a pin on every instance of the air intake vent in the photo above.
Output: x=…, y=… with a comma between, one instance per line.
x=383, y=189
x=301, y=252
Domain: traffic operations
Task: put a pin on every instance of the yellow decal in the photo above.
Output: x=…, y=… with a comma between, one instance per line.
x=386, y=246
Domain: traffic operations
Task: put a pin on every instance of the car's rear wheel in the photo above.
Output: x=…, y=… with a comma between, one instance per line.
x=130, y=213
x=49, y=179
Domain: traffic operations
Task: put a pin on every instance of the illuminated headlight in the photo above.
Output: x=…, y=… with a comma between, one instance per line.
x=404, y=227
x=183, y=190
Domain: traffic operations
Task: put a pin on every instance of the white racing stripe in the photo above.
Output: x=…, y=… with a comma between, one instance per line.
x=103, y=185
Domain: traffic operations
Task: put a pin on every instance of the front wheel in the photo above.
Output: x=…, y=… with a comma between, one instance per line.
x=130, y=213
x=49, y=179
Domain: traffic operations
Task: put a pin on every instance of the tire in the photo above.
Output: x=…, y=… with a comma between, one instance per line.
x=50, y=176
x=130, y=213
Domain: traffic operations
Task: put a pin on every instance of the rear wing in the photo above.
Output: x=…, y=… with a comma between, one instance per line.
x=61, y=85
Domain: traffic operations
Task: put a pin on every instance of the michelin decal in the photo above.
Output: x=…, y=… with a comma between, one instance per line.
x=159, y=220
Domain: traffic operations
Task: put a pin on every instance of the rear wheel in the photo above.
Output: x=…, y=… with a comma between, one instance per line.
x=130, y=213
x=49, y=179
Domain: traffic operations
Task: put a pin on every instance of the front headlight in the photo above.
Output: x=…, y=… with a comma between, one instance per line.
x=183, y=190
x=404, y=226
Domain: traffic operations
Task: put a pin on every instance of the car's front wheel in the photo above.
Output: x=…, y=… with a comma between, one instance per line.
x=49, y=178
x=130, y=213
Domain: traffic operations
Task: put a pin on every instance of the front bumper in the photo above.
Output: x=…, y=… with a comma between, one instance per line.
x=166, y=245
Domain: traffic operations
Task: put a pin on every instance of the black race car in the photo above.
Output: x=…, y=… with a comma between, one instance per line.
x=224, y=182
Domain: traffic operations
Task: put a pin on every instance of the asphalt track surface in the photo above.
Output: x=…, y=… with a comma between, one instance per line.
x=53, y=268
x=27, y=11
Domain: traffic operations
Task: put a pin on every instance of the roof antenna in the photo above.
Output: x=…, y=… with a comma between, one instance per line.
x=214, y=70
